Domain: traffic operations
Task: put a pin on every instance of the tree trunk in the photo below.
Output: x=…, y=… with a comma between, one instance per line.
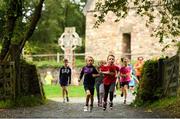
x=9, y=27
x=12, y=52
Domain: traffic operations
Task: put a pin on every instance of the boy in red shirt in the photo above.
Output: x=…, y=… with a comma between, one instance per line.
x=109, y=80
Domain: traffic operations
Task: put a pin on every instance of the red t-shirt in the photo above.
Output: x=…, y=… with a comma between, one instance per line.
x=108, y=79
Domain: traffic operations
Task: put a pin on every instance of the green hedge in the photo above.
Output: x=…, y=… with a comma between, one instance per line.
x=149, y=88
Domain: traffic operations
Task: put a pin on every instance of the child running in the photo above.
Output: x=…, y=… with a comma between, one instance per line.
x=132, y=84
x=125, y=73
x=99, y=83
x=65, y=79
x=109, y=80
x=89, y=72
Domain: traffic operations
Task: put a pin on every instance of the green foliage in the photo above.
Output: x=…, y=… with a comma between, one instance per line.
x=41, y=48
x=24, y=101
x=46, y=64
x=150, y=85
x=54, y=64
x=163, y=103
x=29, y=101
x=170, y=105
x=6, y=103
x=57, y=14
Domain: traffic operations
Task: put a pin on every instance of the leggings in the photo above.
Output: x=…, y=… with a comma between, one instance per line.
x=97, y=90
x=109, y=89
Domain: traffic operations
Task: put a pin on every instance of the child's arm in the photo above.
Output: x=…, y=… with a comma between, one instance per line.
x=70, y=76
x=95, y=75
x=60, y=74
x=81, y=75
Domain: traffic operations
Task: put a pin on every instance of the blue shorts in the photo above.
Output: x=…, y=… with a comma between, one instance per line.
x=63, y=82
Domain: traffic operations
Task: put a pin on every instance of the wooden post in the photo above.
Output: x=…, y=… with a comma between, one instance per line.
x=161, y=74
x=178, y=89
x=58, y=57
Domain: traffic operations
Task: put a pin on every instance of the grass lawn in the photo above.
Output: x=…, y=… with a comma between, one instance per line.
x=56, y=91
x=74, y=91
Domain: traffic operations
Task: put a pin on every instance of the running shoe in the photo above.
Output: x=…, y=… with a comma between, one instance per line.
x=90, y=108
x=64, y=100
x=111, y=105
x=85, y=108
x=121, y=94
x=104, y=106
x=124, y=101
x=67, y=99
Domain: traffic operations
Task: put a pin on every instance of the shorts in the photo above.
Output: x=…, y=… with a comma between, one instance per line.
x=65, y=83
x=91, y=89
x=101, y=88
x=122, y=84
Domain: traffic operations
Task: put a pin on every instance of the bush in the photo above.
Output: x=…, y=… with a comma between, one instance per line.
x=149, y=88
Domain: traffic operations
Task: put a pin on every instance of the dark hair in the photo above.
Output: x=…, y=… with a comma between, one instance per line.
x=140, y=58
x=110, y=56
x=122, y=59
x=65, y=60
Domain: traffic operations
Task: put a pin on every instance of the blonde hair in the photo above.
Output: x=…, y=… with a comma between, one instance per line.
x=90, y=57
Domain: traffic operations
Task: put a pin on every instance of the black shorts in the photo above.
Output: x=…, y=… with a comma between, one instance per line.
x=63, y=83
x=122, y=84
x=91, y=89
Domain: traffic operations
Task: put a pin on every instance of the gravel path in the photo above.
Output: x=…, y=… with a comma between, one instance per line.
x=74, y=109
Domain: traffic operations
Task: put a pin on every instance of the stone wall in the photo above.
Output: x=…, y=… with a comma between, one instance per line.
x=108, y=37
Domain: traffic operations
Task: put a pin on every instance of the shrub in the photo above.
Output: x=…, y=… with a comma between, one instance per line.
x=150, y=85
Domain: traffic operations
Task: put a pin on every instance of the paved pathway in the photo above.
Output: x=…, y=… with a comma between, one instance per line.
x=74, y=109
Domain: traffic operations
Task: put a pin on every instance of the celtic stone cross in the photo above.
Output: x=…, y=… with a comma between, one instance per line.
x=68, y=41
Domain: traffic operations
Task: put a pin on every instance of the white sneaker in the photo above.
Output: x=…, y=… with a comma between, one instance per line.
x=64, y=100
x=85, y=108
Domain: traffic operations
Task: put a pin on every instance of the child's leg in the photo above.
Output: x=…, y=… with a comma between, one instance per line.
x=101, y=95
x=66, y=91
x=101, y=91
x=106, y=89
x=125, y=92
x=121, y=86
x=88, y=95
x=92, y=96
x=97, y=90
x=63, y=93
x=111, y=91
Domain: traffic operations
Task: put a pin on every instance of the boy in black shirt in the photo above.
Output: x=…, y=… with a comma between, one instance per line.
x=65, y=79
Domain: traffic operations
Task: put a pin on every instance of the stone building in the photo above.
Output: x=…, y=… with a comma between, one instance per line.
x=130, y=36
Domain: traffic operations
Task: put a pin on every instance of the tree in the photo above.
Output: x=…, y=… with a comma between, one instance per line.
x=167, y=11
x=57, y=15
x=18, y=27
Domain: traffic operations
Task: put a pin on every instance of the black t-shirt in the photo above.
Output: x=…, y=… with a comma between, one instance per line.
x=65, y=74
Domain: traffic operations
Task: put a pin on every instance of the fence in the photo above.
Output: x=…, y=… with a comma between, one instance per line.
x=59, y=57
x=7, y=81
x=169, y=71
